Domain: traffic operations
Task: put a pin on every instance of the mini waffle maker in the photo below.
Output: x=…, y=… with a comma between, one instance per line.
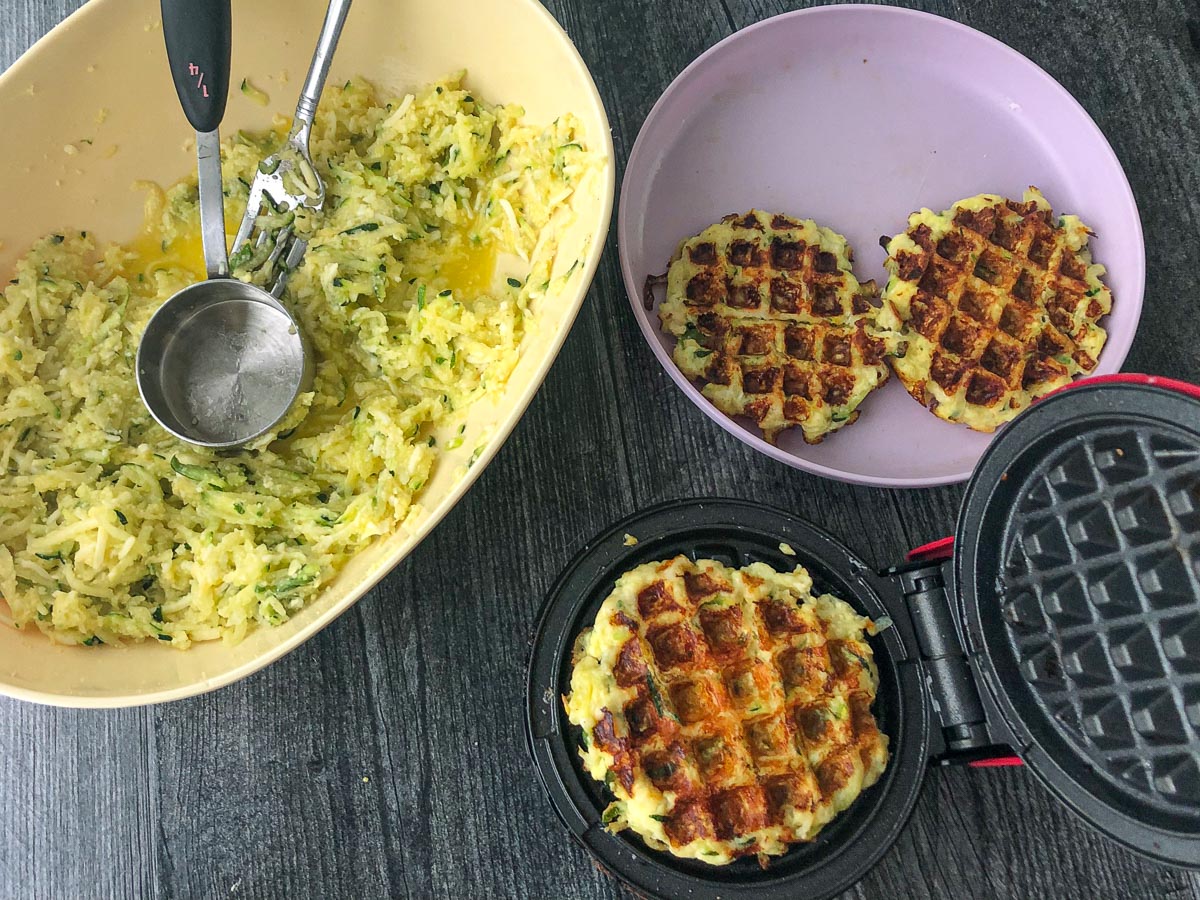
x=1060, y=624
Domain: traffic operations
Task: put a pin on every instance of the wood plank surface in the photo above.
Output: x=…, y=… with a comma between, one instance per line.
x=386, y=757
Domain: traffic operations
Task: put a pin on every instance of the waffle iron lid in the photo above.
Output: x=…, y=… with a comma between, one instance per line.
x=1077, y=564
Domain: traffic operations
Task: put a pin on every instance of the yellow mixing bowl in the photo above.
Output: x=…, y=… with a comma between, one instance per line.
x=102, y=75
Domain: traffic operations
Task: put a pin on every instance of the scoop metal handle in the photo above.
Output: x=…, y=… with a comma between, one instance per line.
x=199, y=35
x=212, y=204
x=318, y=70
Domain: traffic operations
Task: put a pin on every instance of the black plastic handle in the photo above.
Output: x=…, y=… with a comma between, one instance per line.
x=198, y=35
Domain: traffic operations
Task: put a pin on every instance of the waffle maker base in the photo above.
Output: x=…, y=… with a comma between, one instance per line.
x=1064, y=624
x=735, y=533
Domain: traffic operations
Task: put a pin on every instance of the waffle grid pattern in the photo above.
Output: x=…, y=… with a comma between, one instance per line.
x=1005, y=304
x=744, y=710
x=1102, y=572
x=777, y=326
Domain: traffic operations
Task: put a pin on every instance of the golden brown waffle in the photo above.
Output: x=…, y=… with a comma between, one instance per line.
x=770, y=318
x=728, y=710
x=996, y=303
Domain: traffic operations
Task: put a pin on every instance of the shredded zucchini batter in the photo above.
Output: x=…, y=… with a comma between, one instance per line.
x=439, y=232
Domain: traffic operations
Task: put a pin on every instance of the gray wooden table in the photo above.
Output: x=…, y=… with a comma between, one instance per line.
x=387, y=757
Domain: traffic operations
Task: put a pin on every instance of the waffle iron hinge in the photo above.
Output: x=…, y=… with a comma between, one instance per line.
x=927, y=590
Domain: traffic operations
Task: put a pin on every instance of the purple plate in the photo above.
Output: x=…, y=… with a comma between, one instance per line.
x=856, y=116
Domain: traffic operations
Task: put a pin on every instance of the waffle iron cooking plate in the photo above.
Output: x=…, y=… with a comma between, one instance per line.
x=1064, y=626
x=735, y=533
x=1078, y=557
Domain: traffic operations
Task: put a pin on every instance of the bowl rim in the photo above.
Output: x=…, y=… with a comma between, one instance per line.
x=1116, y=348
x=434, y=515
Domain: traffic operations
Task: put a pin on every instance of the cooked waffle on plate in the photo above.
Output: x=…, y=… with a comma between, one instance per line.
x=770, y=318
x=996, y=303
x=727, y=710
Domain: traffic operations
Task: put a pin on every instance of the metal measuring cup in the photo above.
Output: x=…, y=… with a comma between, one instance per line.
x=221, y=362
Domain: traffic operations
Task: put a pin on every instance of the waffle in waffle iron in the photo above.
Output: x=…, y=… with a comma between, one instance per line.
x=996, y=303
x=727, y=710
x=769, y=317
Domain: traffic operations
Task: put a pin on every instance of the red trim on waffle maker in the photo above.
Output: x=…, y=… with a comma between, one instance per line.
x=935, y=551
x=1171, y=384
x=996, y=762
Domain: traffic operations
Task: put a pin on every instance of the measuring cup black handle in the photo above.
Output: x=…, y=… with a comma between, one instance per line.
x=198, y=35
